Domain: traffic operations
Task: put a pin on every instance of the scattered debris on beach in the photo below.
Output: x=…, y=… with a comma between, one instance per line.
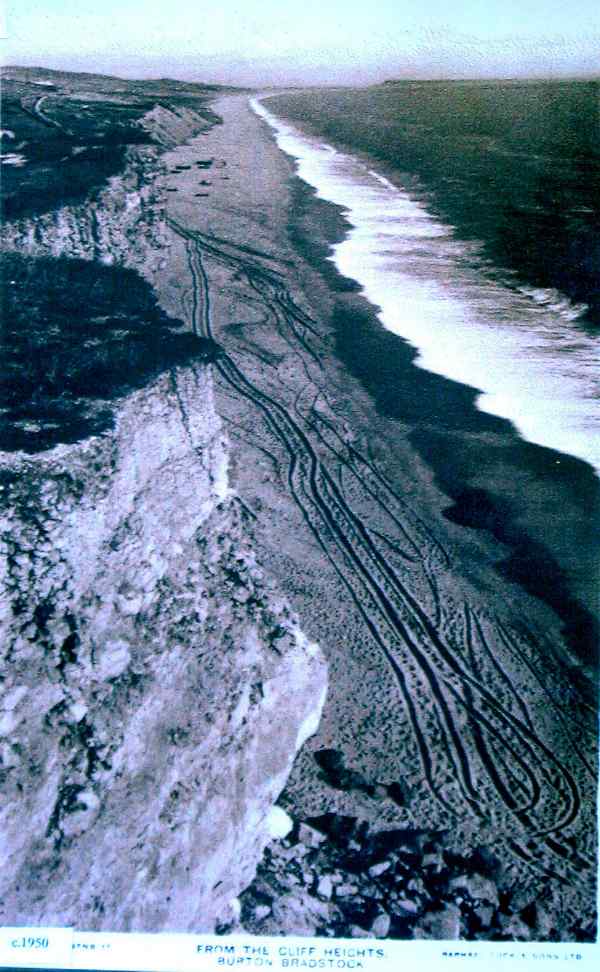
x=332, y=876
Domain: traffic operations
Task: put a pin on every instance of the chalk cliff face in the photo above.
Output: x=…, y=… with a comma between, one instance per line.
x=121, y=225
x=155, y=687
x=123, y=222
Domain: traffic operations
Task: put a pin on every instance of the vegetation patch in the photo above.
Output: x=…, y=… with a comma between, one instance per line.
x=71, y=132
x=77, y=335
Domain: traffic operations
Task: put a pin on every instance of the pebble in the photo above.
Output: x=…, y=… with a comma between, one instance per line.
x=379, y=869
x=381, y=926
x=325, y=887
x=345, y=890
x=263, y=911
x=405, y=904
x=309, y=836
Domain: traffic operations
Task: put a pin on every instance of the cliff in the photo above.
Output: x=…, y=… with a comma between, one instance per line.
x=147, y=722
x=119, y=219
x=156, y=688
x=122, y=224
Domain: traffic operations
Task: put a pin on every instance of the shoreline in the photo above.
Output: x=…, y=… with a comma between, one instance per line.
x=419, y=626
x=423, y=193
x=457, y=440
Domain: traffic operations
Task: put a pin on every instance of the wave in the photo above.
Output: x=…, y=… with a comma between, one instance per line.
x=555, y=301
x=519, y=346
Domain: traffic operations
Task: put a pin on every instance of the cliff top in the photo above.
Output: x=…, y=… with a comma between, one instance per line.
x=63, y=135
x=68, y=80
x=76, y=336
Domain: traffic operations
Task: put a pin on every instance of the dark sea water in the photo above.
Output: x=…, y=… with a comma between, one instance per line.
x=475, y=215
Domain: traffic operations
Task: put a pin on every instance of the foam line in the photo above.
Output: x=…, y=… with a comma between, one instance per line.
x=520, y=347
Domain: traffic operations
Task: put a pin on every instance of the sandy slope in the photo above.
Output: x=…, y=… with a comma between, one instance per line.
x=453, y=700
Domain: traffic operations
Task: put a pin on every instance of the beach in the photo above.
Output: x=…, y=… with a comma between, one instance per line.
x=446, y=567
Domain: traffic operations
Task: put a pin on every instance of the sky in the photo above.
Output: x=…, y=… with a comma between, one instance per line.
x=262, y=42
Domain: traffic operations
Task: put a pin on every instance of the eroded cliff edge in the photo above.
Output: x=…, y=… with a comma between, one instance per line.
x=146, y=722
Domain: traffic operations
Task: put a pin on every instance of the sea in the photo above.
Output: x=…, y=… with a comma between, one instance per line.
x=473, y=213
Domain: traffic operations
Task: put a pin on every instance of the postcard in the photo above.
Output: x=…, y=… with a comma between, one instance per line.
x=299, y=485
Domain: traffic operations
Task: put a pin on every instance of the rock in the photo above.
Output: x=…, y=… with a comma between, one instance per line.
x=381, y=926
x=440, y=925
x=484, y=914
x=523, y=896
x=86, y=810
x=241, y=595
x=235, y=907
x=514, y=928
x=478, y=887
x=279, y=823
x=378, y=869
x=543, y=922
x=309, y=836
x=113, y=659
x=346, y=890
x=285, y=852
x=487, y=863
x=433, y=862
x=261, y=912
x=325, y=887
x=407, y=906
x=417, y=885
x=302, y=912
x=12, y=712
x=162, y=835
x=357, y=932
x=77, y=711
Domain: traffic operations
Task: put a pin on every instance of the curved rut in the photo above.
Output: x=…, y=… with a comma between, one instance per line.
x=471, y=716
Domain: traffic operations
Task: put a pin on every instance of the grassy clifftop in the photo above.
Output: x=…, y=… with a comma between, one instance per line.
x=76, y=335
x=65, y=134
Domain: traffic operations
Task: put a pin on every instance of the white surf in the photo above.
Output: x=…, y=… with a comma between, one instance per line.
x=521, y=348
